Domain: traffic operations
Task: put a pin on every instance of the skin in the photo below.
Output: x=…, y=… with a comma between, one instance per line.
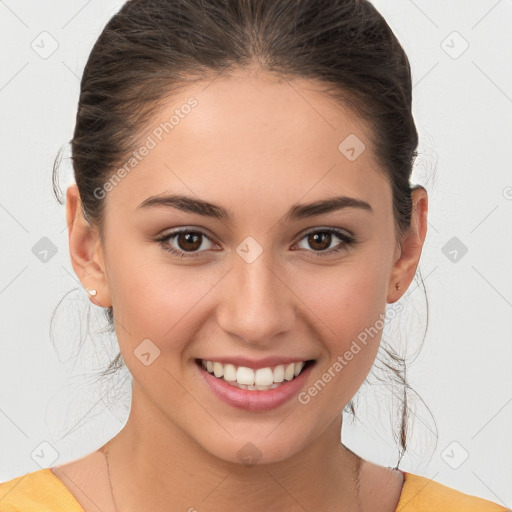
x=254, y=145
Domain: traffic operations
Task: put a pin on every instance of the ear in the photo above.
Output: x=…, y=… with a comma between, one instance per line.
x=86, y=250
x=411, y=244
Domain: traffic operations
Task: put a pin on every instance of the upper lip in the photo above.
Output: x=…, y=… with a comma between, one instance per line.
x=264, y=362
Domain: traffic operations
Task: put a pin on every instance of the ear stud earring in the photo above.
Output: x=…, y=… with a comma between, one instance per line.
x=397, y=286
x=91, y=291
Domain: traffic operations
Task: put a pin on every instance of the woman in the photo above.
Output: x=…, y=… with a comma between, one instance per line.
x=243, y=212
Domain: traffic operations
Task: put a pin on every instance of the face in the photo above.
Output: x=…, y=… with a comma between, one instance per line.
x=252, y=279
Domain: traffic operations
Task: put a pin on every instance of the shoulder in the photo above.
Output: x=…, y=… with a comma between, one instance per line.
x=39, y=491
x=421, y=494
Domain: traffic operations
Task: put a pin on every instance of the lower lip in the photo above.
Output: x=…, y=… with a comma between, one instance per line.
x=254, y=400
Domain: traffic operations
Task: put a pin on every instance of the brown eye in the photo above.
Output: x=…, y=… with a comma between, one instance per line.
x=186, y=243
x=319, y=242
x=189, y=241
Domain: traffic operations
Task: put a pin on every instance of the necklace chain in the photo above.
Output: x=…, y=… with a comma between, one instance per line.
x=105, y=453
x=357, y=469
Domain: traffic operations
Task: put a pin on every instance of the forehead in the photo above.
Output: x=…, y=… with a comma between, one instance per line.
x=252, y=139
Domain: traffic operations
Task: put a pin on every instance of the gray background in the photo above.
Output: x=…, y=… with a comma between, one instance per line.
x=460, y=52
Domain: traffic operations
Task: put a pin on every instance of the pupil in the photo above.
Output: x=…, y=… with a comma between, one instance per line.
x=315, y=238
x=190, y=238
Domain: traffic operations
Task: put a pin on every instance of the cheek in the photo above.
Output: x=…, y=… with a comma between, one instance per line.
x=349, y=310
x=349, y=303
x=349, y=297
x=156, y=300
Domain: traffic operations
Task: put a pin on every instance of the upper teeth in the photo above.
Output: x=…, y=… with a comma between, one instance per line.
x=247, y=376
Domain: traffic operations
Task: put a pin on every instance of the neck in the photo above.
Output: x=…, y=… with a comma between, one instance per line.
x=153, y=464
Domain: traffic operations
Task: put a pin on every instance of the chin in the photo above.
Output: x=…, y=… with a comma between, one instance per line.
x=251, y=451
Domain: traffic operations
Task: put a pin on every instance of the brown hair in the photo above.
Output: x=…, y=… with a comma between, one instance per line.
x=152, y=48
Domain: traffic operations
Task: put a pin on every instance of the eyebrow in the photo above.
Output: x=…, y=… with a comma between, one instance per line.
x=296, y=212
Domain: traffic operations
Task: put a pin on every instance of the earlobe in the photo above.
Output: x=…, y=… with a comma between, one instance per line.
x=85, y=250
x=411, y=246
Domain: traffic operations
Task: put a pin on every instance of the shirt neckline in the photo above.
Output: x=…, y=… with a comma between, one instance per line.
x=72, y=497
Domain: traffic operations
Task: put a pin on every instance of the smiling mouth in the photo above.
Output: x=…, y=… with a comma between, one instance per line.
x=261, y=379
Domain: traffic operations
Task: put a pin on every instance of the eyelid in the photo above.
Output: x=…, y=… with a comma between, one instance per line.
x=186, y=229
x=347, y=240
x=346, y=237
x=329, y=229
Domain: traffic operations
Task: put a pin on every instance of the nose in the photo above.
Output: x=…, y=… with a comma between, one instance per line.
x=257, y=302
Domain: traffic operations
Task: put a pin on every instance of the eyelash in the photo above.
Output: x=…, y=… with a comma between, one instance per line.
x=347, y=242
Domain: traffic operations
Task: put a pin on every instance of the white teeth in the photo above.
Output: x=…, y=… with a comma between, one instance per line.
x=229, y=372
x=256, y=380
x=289, y=372
x=264, y=377
x=245, y=375
x=218, y=370
x=279, y=373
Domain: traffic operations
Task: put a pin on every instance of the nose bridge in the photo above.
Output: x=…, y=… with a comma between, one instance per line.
x=256, y=305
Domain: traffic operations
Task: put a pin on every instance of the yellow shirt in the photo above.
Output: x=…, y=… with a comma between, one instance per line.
x=42, y=491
